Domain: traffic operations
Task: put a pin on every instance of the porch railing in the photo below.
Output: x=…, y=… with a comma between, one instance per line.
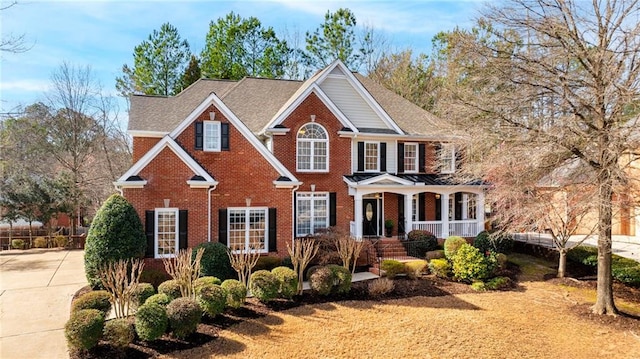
x=463, y=228
x=434, y=227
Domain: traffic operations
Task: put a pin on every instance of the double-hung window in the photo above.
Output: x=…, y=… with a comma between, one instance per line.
x=371, y=157
x=248, y=229
x=411, y=157
x=211, y=138
x=447, y=158
x=312, y=149
x=166, y=232
x=312, y=212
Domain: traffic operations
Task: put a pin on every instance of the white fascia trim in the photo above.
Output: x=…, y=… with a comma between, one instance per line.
x=286, y=184
x=212, y=99
x=130, y=184
x=201, y=184
x=155, y=150
x=154, y=134
x=277, y=131
x=363, y=92
x=386, y=177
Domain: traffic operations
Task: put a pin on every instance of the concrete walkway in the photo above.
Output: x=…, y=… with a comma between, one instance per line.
x=36, y=287
x=624, y=246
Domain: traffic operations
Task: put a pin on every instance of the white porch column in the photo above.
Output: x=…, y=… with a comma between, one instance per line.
x=480, y=211
x=357, y=214
x=444, y=210
x=408, y=213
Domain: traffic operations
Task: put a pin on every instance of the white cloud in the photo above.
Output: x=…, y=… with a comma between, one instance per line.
x=25, y=85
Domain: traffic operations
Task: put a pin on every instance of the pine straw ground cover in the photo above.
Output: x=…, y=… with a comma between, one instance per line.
x=424, y=318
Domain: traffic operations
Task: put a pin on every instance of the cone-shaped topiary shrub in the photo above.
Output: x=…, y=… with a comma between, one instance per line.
x=119, y=332
x=212, y=298
x=97, y=299
x=184, y=316
x=287, y=281
x=115, y=233
x=84, y=328
x=151, y=321
x=236, y=292
x=264, y=285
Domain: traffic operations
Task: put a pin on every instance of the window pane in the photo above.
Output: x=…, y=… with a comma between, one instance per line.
x=320, y=155
x=166, y=232
x=311, y=213
x=312, y=148
x=248, y=229
x=371, y=157
x=212, y=135
x=304, y=155
x=410, y=157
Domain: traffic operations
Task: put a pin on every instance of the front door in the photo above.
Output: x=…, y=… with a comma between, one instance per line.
x=370, y=213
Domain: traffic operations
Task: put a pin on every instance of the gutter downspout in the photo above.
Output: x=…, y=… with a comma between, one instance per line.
x=293, y=222
x=209, y=212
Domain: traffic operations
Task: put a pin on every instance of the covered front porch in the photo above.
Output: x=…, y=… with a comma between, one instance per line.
x=424, y=202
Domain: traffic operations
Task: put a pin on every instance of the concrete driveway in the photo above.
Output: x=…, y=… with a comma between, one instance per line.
x=36, y=287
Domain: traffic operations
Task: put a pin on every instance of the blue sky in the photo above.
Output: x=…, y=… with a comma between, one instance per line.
x=102, y=34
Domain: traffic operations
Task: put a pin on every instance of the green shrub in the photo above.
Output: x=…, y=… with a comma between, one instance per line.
x=61, y=241
x=171, y=288
x=267, y=263
x=415, y=268
x=84, y=328
x=142, y=292
x=205, y=281
x=40, y=242
x=469, y=264
x=153, y=276
x=420, y=242
x=440, y=267
x=236, y=292
x=451, y=246
x=436, y=254
x=119, y=332
x=287, y=281
x=380, y=286
x=17, y=244
x=479, y=286
x=392, y=267
x=584, y=254
x=159, y=299
x=286, y=262
x=321, y=280
x=341, y=278
x=184, y=315
x=215, y=261
x=97, y=299
x=627, y=275
x=483, y=242
x=618, y=261
x=498, y=283
x=310, y=271
x=115, y=233
x=499, y=242
x=264, y=285
x=501, y=261
x=151, y=321
x=212, y=298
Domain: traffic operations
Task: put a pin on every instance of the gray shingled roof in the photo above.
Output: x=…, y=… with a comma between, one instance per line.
x=255, y=101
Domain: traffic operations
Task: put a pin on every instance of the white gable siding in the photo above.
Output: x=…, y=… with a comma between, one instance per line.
x=351, y=103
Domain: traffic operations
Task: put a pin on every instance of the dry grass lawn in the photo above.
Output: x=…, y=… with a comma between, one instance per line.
x=538, y=320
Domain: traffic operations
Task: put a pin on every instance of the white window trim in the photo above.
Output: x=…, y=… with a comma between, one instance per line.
x=450, y=165
x=313, y=141
x=247, y=229
x=204, y=136
x=416, y=163
x=314, y=195
x=377, y=169
x=155, y=231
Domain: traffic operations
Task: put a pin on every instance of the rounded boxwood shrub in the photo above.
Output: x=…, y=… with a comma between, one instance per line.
x=184, y=315
x=115, y=233
x=119, y=332
x=61, y=241
x=420, y=242
x=142, y=292
x=264, y=285
x=440, y=267
x=212, y=298
x=392, y=267
x=287, y=281
x=415, y=268
x=84, y=328
x=267, y=263
x=40, y=242
x=97, y=299
x=160, y=299
x=18, y=244
x=469, y=264
x=341, y=278
x=483, y=242
x=171, y=288
x=207, y=280
x=451, y=246
x=215, y=261
x=151, y=321
x=310, y=271
x=236, y=292
x=321, y=280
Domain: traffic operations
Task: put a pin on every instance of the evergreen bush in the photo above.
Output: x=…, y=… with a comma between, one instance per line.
x=420, y=242
x=40, y=242
x=119, y=332
x=151, y=321
x=171, y=288
x=264, y=285
x=287, y=281
x=321, y=280
x=392, y=267
x=160, y=299
x=84, y=328
x=142, y=292
x=212, y=298
x=469, y=264
x=236, y=292
x=451, y=246
x=96, y=299
x=267, y=263
x=184, y=315
x=440, y=267
x=341, y=278
x=215, y=261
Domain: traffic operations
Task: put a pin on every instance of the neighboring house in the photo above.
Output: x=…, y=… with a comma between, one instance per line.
x=260, y=162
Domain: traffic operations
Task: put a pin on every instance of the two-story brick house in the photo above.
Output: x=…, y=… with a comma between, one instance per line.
x=261, y=162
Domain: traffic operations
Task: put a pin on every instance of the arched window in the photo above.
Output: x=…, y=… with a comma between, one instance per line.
x=313, y=148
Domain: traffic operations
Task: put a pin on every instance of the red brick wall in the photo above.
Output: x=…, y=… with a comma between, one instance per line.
x=390, y=202
x=142, y=145
x=339, y=156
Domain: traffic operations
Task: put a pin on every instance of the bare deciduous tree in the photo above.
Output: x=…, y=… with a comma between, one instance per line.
x=348, y=249
x=243, y=260
x=184, y=270
x=301, y=255
x=121, y=280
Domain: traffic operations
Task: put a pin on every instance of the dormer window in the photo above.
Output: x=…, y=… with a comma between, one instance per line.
x=312, y=148
x=447, y=158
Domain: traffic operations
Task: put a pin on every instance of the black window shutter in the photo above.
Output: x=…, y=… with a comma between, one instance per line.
x=458, y=206
x=401, y=214
x=273, y=230
x=150, y=228
x=222, y=226
x=421, y=205
x=295, y=217
x=360, y=156
x=199, y=133
x=438, y=154
x=400, y=157
x=332, y=209
x=383, y=157
x=183, y=229
x=224, y=136
x=421, y=155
